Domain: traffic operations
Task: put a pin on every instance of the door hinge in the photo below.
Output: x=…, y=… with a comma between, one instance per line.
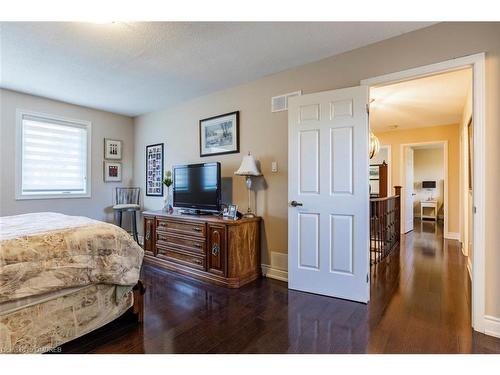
x=368, y=108
x=474, y=209
x=367, y=278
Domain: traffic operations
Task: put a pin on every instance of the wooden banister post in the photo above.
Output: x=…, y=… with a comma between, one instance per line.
x=397, y=190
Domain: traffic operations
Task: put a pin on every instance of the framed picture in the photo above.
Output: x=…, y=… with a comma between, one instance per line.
x=374, y=172
x=232, y=211
x=112, y=171
x=112, y=149
x=220, y=134
x=154, y=170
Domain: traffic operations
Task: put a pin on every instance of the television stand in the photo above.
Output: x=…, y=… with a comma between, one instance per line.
x=209, y=248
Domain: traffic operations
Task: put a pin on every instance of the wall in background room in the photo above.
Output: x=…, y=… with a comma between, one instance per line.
x=104, y=125
x=428, y=165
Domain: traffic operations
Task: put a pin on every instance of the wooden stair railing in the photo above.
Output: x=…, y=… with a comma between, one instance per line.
x=385, y=219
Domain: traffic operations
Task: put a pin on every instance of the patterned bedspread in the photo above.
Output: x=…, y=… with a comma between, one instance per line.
x=44, y=252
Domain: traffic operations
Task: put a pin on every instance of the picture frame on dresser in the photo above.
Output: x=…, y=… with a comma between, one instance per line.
x=154, y=170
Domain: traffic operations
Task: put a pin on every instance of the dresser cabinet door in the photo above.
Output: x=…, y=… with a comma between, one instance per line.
x=149, y=235
x=216, y=249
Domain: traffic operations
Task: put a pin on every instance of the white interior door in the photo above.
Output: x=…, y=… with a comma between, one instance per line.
x=409, y=194
x=328, y=214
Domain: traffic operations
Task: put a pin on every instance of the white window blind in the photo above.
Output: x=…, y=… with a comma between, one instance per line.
x=54, y=157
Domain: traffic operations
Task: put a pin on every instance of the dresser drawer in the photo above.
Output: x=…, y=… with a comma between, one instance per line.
x=181, y=227
x=174, y=255
x=192, y=244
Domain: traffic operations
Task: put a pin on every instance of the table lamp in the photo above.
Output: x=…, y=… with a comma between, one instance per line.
x=248, y=168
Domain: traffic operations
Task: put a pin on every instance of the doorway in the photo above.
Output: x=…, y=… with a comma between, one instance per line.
x=476, y=64
x=425, y=170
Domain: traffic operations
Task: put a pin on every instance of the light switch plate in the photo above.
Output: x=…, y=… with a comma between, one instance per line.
x=274, y=166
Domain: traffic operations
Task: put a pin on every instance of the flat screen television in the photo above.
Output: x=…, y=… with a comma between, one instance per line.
x=428, y=184
x=197, y=187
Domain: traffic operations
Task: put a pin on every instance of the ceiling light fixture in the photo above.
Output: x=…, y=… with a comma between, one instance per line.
x=374, y=145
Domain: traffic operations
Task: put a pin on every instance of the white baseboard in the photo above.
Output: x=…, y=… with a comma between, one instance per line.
x=492, y=326
x=452, y=236
x=274, y=273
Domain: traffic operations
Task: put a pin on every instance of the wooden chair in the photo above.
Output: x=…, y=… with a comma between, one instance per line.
x=127, y=200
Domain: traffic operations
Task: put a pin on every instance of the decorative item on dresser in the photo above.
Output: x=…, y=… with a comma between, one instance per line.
x=220, y=251
x=167, y=203
x=248, y=168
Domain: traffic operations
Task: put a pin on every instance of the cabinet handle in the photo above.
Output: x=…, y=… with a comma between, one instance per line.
x=198, y=245
x=148, y=235
x=197, y=229
x=197, y=261
x=215, y=249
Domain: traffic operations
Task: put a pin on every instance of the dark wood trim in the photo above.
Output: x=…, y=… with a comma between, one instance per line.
x=229, y=282
x=138, y=306
x=202, y=218
x=237, y=113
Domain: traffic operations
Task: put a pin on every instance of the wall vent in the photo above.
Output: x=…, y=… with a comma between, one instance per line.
x=280, y=103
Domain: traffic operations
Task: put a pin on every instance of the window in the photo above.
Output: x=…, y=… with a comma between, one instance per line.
x=52, y=156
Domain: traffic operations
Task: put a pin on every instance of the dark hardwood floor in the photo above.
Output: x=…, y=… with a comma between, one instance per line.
x=420, y=303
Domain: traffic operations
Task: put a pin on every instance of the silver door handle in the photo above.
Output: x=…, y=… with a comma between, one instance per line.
x=295, y=204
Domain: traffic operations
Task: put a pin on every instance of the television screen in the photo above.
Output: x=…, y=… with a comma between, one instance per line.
x=197, y=186
x=428, y=184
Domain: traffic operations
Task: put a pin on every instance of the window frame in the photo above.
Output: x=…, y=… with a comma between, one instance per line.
x=20, y=113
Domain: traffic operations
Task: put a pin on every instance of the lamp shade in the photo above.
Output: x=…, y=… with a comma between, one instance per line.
x=248, y=167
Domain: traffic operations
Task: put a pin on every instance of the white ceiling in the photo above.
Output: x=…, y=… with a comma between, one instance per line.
x=429, y=101
x=134, y=68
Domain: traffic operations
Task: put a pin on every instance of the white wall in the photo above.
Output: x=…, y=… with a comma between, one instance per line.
x=381, y=156
x=104, y=125
x=428, y=165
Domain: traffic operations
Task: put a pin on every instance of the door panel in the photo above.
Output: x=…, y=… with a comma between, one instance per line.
x=341, y=161
x=342, y=251
x=328, y=174
x=308, y=240
x=309, y=161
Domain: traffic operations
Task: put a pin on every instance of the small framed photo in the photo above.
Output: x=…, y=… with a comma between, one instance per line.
x=112, y=149
x=220, y=135
x=112, y=171
x=232, y=211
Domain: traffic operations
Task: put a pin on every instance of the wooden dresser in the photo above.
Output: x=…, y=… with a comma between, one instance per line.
x=221, y=251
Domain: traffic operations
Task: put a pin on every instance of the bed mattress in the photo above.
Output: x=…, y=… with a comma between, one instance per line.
x=43, y=323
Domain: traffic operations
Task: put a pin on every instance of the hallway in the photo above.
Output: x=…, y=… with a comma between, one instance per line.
x=419, y=304
x=421, y=298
